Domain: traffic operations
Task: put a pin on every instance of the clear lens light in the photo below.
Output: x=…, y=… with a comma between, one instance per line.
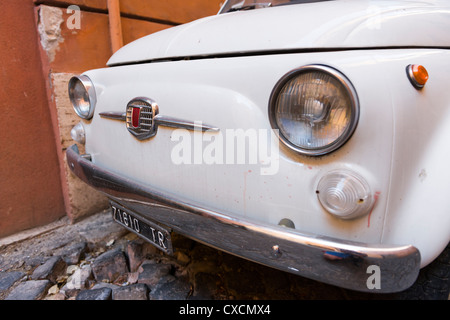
x=315, y=110
x=77, y=133
x=344, y=194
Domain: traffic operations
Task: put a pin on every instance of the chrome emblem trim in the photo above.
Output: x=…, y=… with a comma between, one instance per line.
x=142, y=118
x=122, y=116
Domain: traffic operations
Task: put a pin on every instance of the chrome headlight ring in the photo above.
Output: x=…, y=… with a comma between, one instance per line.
x=82, y=96
x=314, y=110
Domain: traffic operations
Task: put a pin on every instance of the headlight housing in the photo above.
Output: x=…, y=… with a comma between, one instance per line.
x=82, y=95
x=315, y=109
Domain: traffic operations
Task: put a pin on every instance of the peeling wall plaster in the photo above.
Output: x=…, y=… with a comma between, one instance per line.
x=49, y=28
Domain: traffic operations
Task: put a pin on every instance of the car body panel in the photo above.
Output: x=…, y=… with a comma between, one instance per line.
x=220, y=72
x=327, y=25
x=238, y=99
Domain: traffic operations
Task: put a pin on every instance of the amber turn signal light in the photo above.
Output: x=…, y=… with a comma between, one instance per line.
x=418, y=75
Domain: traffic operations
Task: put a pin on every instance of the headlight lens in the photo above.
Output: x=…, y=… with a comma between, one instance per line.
x=315, y=109
x=82, y=95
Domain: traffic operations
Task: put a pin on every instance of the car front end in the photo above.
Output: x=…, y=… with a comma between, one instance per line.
x=312, y=145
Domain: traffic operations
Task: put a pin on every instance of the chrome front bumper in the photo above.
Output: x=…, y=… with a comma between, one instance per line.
x=342, y=263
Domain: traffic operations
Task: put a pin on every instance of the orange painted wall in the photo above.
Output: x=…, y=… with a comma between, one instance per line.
x=90, y=46
x=30, y=188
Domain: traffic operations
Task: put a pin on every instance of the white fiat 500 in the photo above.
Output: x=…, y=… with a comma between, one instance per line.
x=310, y=136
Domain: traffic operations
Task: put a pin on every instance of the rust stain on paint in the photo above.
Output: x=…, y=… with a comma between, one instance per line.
x=375, y=197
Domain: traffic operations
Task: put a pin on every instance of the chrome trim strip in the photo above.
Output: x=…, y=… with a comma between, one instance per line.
x=333, y=261
x=165, y=121
x=122, y=116
x=183, y=124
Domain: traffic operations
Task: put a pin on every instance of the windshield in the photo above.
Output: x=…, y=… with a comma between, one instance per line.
x=236, y=5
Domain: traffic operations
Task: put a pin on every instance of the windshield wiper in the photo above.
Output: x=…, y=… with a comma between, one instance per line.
x=240, y=6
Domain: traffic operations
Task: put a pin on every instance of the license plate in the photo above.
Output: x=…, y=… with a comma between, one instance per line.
x=152, y=232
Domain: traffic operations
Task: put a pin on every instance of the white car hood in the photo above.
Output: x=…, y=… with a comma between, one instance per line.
x=325, y=25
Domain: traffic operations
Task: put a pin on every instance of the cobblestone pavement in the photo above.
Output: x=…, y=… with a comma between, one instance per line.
x=96, y=259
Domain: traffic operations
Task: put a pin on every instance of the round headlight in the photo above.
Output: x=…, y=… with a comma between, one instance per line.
x=82, y=95
x=315, y=109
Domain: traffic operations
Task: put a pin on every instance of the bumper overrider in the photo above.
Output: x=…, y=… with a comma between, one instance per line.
x=352, y=265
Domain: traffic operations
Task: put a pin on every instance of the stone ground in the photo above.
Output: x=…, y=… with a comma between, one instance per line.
x=96, y=259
